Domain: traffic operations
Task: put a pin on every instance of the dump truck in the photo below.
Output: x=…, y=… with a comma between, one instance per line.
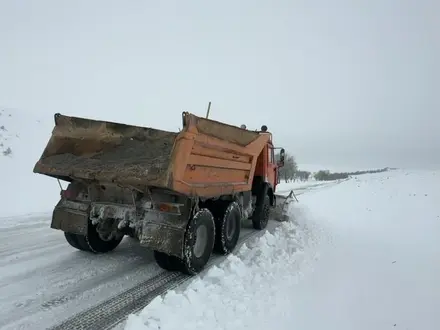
x=182, y=194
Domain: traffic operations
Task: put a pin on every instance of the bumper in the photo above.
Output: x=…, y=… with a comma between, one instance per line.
x=155, y=230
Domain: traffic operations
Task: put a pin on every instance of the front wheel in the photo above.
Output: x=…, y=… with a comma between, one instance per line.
x=261, y=214
x=198, y=242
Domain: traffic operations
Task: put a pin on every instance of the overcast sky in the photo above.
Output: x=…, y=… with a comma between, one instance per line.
x=341, y=83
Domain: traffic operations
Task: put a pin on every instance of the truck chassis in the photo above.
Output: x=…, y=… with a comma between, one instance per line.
x=182, y=231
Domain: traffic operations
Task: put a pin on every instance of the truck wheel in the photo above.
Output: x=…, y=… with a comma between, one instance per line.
x=167, y=262
x=92, y=242
x=227, y=229
x=260, y=218
x=198, y=242
x=72, y=239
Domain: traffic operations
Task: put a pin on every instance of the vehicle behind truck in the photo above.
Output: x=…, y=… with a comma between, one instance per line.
x=183, y=195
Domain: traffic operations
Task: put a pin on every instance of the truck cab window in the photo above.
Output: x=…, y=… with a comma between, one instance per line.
x=271, y=156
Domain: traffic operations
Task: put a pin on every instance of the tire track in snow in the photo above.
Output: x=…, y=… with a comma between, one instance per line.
x=67, y=281
x=113, y=311
x=109, y=313
x=136, y=298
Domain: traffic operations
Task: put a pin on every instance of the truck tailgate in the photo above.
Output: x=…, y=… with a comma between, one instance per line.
x=107, y=152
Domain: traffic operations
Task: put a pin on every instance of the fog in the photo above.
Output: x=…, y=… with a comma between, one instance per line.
x=339, y=83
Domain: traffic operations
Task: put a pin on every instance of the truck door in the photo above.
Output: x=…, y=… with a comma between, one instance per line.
x=272, y=168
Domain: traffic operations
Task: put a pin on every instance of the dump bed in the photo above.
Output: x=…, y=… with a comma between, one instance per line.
x=207, y=158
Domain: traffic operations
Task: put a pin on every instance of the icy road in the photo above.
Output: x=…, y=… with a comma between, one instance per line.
x=44, y=281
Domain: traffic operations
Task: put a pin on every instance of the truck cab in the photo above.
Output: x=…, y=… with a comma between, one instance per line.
x=267, y=167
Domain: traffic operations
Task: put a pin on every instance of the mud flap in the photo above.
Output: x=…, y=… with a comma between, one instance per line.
x=163, y=238
x=70, y=222
x=71, y=217
x=280, y=211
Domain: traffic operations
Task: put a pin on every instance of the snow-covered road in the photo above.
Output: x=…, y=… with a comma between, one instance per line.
x=44, y=281
x=362, y=254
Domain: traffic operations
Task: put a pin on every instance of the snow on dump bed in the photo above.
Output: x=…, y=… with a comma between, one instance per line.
x=377, y=268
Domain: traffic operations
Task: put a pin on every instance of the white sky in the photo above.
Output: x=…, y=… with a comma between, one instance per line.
x=348, y=83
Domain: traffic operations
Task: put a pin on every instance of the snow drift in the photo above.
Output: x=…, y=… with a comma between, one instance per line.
x=248, y=290
x=23, y=137
x=378, y=249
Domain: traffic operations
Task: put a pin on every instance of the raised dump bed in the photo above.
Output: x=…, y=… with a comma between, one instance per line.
x=207, y=158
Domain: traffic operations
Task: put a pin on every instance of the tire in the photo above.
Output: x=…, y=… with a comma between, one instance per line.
x=169, y=263
x=73, y=241
x=227, y=229
x=260, y=218
x=77, y=241
x=198, y=242
x=92, y=242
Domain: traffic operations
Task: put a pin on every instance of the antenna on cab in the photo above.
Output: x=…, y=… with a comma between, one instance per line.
x=209, y=109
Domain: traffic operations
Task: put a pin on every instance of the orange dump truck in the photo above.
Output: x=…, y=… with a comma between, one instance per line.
x=183, y=195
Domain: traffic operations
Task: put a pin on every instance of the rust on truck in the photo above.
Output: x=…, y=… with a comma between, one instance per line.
x=160, y=187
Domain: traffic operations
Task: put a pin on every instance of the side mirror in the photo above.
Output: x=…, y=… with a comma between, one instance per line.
x=282, y=157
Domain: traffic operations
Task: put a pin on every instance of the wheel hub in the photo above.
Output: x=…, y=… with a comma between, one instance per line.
x=201, y=241
x=105, y=231
x=230, y=228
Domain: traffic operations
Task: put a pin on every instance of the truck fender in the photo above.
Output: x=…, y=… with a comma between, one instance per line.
x=74, y=221
x=271, y=195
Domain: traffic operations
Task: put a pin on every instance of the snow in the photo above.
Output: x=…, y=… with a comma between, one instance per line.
x=362, y=254
x=43, y=280
x=284, y=188
x=224, y=293
x=313, y=168
x=357, y=254
x=24, y=192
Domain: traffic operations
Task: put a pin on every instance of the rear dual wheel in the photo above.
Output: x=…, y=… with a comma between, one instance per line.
x=92, y=241
x=198, y=242
x=205, y=234
x=227, y=228
x=170, y=263
x=197, y=246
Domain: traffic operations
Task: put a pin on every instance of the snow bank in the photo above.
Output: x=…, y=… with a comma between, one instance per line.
x=381, y=270
x=284, y=187
x=250, y=289
x=378, y=268
x=23, y=137
x=335, y=169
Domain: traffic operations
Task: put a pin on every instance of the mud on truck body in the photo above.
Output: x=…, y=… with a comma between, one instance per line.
x=182, y=195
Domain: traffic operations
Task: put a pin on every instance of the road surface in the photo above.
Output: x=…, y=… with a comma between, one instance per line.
x=44, y=281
